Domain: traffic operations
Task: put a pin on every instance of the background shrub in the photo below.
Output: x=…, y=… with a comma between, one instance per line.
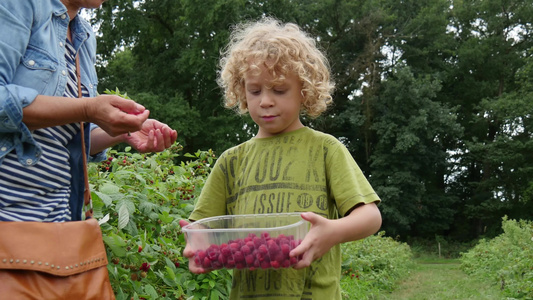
x=507, y=260
x=373, y=264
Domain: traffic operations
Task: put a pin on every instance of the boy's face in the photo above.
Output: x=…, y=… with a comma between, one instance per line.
x=275, y=108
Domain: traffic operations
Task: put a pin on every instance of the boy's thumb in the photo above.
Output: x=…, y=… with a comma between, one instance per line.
x=310, y=217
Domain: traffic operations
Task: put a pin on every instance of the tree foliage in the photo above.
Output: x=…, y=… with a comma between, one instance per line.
x=433, y=98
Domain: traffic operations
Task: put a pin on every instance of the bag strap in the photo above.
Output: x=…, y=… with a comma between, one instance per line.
x=87, y=192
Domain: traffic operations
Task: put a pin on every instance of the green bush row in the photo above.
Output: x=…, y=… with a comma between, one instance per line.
x=372, y=265
x=506, y=261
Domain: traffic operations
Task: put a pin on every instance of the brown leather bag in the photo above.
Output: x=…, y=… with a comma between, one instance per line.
x=55, y=261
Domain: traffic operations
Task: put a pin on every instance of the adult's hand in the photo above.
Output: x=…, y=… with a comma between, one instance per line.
x=115, y=115
x=154, y=136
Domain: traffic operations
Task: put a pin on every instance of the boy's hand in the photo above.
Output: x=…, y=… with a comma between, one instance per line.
x=189, y=253
x=362, y=221
x=320, y=238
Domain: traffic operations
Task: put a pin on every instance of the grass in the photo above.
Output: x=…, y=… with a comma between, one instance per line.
x=434, y=278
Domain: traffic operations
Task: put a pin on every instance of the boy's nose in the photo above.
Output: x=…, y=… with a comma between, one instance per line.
x=266, y=100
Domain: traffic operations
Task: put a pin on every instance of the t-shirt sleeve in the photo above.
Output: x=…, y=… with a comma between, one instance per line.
x=347, y=183
x=212, y=199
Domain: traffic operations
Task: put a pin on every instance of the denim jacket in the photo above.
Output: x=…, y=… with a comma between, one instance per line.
x=32, y=62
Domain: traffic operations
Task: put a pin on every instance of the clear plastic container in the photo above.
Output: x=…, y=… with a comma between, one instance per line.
x=246, y=241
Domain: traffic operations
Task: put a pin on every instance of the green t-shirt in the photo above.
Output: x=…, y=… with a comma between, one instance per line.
x=299, y=171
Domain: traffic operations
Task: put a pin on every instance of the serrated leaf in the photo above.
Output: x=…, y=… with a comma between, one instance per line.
x=150, y=290
x=128, y=203
x=123, y=217
x=165, y=217
x=105, y=198
x=109, y=189
x=170, y=273
x=146, y=207
x=116, y=244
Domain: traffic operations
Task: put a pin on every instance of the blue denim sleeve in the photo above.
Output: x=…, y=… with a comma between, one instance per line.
x=13, y=99
x=13, y=42
x=14, y=19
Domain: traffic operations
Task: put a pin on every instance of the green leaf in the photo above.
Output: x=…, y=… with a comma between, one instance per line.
x=215, y=295
x=123, y=217
x=165, y=217
x=191, y=285
x=116, y=244
x=170, y=273
x=104, y=197
x=150, y=290
x=109, y=189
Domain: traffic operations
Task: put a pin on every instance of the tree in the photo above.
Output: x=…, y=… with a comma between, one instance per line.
x=494, y=38
x=433, y=98
x=409, y=157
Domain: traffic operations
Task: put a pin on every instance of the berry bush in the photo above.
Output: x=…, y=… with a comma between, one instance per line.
x=505, y=261
x=140, y=199
x=373, y=265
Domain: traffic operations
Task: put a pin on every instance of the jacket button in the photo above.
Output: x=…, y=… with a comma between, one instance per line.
x=63, y=72
x=3, y=149
x=29, y=161
x=63, y=16
x=31, y=62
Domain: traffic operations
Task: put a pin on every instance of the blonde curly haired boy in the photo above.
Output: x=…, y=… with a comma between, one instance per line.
x=279, y=49
x=275, y=72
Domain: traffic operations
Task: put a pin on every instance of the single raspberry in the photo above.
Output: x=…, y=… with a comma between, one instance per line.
x=263, y=249
x=285, y=249
x=225, y=251
x=250, y=245
x=238, y=256
x=206, y=263
x=293, y=260
x=234, y=246
x=246, y=250
x=257, y=241
x=273, y=248
x=250, y=259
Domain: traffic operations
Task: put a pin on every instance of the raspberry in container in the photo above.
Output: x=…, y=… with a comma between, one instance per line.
x=254, y=241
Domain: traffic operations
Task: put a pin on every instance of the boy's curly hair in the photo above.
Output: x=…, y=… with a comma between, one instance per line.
x=281, y=48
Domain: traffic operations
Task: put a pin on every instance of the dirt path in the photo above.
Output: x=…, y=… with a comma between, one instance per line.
x=443, y=280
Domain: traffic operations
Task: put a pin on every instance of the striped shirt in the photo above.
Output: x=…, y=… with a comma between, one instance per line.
x=41, y=192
